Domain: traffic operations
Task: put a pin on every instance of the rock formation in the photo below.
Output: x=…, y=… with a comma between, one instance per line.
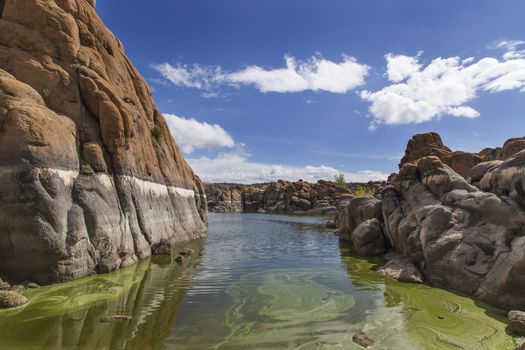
x=300, y=197
x=91, y=177
x=464, y=232
x=224, y=198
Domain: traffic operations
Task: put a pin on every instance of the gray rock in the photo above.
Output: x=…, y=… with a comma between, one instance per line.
x=368, y=238
x=517, y=322
x=10, y=299
x=402, y=270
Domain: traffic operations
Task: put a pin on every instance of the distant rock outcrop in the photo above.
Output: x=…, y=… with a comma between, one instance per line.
x=300, y=197
x=224, y=198
x=91, y=177
x=462, y=231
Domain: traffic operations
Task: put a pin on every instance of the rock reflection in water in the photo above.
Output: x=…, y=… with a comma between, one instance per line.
x=67, y=316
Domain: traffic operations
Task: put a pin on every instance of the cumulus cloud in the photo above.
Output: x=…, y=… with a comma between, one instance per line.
x=313, y=74
x=237, y=167
x=191, y=134
x=444, y=87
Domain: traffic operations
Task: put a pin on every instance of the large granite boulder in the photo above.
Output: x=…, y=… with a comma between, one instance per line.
x=86, y=186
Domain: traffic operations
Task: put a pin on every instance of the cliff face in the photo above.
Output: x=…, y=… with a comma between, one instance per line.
x=90, y=174
x=464, y=234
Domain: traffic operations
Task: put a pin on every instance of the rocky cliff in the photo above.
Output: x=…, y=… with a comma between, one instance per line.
x=91, y=177
x=456, y=225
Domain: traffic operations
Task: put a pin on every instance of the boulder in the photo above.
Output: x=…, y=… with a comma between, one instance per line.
x=163, y=247
x=517, y=322
x=512, y=147
x=10, y=299
x=401, y=269
x=358, y=210
x=368, y=238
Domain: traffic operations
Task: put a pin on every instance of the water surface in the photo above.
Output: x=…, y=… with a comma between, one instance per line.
x=258, y=282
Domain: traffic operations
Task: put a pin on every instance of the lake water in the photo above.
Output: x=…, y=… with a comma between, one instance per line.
x=257, y=282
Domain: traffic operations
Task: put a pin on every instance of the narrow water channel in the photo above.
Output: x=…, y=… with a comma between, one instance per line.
x=257, y=282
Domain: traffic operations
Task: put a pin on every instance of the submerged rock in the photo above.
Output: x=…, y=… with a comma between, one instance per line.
x=90, y=172
x=187, y=252
x=161, y=248
x=113, y=318
x=10, y=299
x=363, y=339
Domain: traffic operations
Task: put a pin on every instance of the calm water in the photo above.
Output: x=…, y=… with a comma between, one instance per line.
x=260, y=282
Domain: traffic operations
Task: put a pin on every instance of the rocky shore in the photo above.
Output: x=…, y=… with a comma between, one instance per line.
x=453, y=219
x=91, y=177
x=284, y=197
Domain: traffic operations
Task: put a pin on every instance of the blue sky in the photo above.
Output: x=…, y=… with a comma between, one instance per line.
x=362, y=78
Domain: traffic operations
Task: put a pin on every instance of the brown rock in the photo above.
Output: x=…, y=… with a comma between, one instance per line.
x=513, y=146
x=363, y=339
x=161, y=248
x=10, y=299
x=113, y=318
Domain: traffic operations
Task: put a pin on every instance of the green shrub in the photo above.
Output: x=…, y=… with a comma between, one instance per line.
x=364, y=191
x=340, y=181
x=156, y=132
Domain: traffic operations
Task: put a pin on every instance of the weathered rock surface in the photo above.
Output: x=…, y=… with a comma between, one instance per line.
x=368, y=238
x=9, y=299
x=86, y=187
x=454, y=234
x=401, y=269
x=517, y=322
x=224, y=198
x=300, y=197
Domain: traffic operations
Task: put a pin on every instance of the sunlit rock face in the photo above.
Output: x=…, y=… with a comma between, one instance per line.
x=90, y=176
x=466, y=234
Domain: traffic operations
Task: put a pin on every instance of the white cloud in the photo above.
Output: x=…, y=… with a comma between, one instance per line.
x=191, y=134
x=194, y=76
x=512, y=47
x=419, y=94
x=314, y=74
x=400, y=67
x=237, y=167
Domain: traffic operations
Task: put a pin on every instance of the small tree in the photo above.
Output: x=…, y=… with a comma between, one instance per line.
x=340, y=181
